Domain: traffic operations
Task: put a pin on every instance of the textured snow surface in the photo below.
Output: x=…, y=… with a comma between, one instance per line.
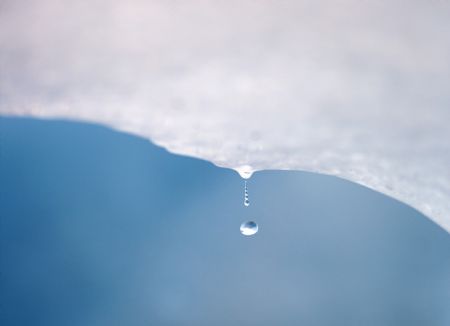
x=355, y=89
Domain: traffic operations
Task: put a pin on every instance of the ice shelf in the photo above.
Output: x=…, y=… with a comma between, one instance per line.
x=355, y=89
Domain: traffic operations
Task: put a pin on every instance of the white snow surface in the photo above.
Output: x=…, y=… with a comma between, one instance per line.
x=354, y=89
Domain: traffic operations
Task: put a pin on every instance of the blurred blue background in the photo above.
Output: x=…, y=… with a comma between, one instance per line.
x=104, y=228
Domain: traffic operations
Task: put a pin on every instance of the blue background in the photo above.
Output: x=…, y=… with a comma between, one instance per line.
x=104, y=228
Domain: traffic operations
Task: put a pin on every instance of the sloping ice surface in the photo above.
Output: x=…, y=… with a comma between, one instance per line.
x=354, y=89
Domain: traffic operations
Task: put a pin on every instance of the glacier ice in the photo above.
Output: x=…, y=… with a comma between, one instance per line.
x=354, y=89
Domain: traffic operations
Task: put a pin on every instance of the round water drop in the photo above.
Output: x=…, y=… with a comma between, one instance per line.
x=249, y=228
x=246, y=202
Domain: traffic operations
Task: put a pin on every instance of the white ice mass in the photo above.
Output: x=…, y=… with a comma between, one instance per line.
x=355, y=89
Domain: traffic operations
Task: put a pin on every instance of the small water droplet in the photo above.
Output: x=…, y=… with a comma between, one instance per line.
x=249, y=228
x=245, y=171
x=246, y=200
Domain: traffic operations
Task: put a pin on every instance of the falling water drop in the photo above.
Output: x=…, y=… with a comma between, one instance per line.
x=249, y=228
x=246, y=200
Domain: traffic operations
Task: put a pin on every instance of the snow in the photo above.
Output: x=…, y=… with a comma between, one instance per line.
x=354, y=89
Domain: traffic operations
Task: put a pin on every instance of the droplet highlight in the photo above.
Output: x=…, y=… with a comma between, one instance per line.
x=249, y=228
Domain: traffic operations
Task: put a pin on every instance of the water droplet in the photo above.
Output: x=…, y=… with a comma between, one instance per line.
x=246, y=200
x=249, y=228
x=245, y=171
